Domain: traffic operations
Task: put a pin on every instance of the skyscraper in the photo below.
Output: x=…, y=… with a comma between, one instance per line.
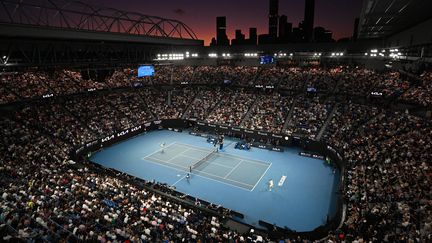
x=221, y=36
x=355, y=31
x=309, y=20
x=273, y=18
x=239, y=38
x=253, y=38
x=283, y=21
x=322, y=35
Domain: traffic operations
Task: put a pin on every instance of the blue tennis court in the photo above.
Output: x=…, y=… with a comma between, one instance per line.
x=229, y=169
x=305, y=189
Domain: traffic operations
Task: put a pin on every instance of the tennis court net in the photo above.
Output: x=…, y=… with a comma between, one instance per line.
x=201, y=161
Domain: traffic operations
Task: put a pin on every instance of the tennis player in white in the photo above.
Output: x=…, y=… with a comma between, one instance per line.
x=270, y=185
x=162, y=145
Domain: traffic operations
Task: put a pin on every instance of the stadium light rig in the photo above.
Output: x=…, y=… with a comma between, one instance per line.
x=337, y=54
x=213, y=55
x=248, y=54
x=170, y=57
x=395, y=54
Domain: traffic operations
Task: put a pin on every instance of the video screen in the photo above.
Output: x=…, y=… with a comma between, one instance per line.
x=268, y=59
x=145, y=71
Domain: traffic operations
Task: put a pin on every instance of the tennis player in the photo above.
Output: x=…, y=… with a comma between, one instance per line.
x=270, y=185
x=162, y=145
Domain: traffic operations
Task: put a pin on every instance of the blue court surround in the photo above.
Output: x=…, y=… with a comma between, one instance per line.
x=303, y=203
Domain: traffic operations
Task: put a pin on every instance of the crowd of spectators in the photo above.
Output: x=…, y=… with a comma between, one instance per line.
x=53, y=199
x=420, y=94
x=6, y=96
x=96, y=112
x=36, y=84
x=63, y=82
x=271, y=76
x=364, y=82
x=300, y=79
x=232, y=108
x=203, y=104
x=348, y=117
x=45, y=196
x=389, y=177
x=26, y=84
x=54, y=119
x=176, y=74
x=269, y=113
x=122, y=78
x=207, y=75
x=159, y=104
x=308, y=116
x=341, y=80
x=240, y=75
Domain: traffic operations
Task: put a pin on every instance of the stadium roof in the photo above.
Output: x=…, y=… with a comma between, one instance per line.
x=40, y=16
x=381, y=18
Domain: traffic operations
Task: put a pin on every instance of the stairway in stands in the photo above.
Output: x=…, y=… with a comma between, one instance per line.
x=249, y=112
x=290, y=114
x=329, y=118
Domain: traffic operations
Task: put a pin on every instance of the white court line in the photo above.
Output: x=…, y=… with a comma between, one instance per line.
x=169, y=145
x=225, y=178
x=163, y=161
x=262, y=176
x=181, y=154
x=178, y=155
x=190, y=157
x=246, y=159
x=221, y=165
x=235, y=167
x=178, y=180
x=213, y=163
x=208, y=178
x=205, y=173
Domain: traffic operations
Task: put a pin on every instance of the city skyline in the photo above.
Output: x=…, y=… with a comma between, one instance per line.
x=336, y=15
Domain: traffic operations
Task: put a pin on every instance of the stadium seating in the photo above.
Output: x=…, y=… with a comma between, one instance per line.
x=47, y=197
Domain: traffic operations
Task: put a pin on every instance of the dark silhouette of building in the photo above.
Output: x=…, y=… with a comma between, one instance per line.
x=285, y=29
x=283, y=20
x=253, y=37
x=297, y=34
x=355, y=31
x=309, y=20
x=213, y=42
x=221, y=36
x=322, y=35
x=239, y=38
x=273, y=18
x=239, y=35
x=265, y=39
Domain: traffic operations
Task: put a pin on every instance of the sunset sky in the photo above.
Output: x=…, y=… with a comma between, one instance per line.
x=336, y=15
